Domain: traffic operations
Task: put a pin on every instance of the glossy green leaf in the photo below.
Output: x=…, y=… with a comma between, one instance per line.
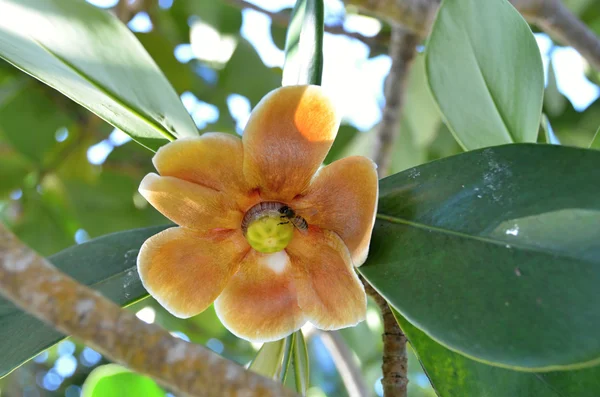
x=113, y=380
x=485, y=72
x=107, y=264
x=595, y=144
x=70, y=45
x=269, y=359
x=496, y=254
x=454, y=375
x=301, y=364
x=304, y=44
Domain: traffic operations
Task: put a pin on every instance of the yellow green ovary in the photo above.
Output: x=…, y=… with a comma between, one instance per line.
x=269, y=234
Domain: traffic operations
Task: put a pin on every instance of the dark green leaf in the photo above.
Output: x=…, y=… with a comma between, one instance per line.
x=454, y=375
x=485, y=71
x=107, y=264
x=304, y=44
x=113, y=380
x=70, y=45
x=496, y=254
x=595, y=144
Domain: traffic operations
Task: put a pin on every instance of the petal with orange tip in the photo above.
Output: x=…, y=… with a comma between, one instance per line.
x=329, y=291
x=260, y=304
x=188, y=204
x=185, y=270
x=213, y=160
x=343, y=198
x=286, y=139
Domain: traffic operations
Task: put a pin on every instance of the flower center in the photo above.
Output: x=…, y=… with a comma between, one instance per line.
x=268, y=226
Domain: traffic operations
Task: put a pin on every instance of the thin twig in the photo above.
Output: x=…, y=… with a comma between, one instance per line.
x=345, y=363
x=556, y=19
x=36, y=286
x=402, y=52
x=552, y=16
x=126, y=9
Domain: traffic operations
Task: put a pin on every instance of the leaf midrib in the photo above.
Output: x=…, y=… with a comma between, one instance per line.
x=137, y=113
x=453, y=233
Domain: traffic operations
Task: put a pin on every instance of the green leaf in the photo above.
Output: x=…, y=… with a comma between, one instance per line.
x=107, y=264
x=113, y=380
x=301, y=364
x=548, y=133
x=269, y=359
x=485, y=71
x=13, y=168
x=496, y=254
x=304, y=44
x=29, y=120
x=454, y=375
x=554, y=102
x=91, y=57
x=420, y=113
x=290, y=342
x=595, y=144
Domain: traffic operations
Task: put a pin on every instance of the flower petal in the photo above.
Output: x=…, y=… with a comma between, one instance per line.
x=185, y=271
x=343, y=198
x=286, y=139
x=259, y=303
x=188, y=204
x=329, y=291
x=213, y=160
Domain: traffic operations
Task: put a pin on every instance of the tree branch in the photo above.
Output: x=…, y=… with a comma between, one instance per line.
x=36, y=286
x=552, y=16
x=402, y=51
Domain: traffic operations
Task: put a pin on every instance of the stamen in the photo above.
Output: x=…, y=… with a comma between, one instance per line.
x=266, y=227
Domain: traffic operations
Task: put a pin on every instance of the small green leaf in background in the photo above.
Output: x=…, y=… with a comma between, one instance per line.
x=595, y=144
x=112, y=380
x=420, y=113
x=485, y=71
x=269, y=359
x=495, y=254
x=454, y=375
x=548, y=133
x=554, y=101
x=29, y=123
x=70, y=45
x=304, y=44
x=107, y=264
x=301, y=364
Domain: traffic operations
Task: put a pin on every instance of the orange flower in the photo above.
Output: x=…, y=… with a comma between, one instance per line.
x=263, y=233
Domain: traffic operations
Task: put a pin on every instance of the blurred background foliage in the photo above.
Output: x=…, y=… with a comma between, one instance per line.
x=66, y=176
